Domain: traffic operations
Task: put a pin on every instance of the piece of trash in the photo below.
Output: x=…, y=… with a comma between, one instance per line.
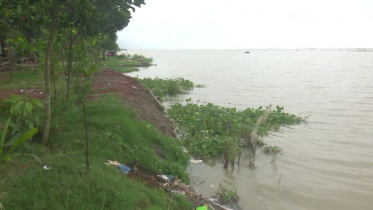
x=111, y=162
x=212, y=185
x=46, y=167
x=124, y=169
x=164, y=177
x=196, y=161
x=23, y=82
x=41, y=93
x=177, y=192
x=171, y=178
x=21, y=91
x=184, y=149
x=133, y=87
x=214, y=200
x=202, y=208
x=108, y=84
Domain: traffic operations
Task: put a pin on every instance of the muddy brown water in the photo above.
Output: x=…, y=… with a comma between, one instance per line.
x=326, y=163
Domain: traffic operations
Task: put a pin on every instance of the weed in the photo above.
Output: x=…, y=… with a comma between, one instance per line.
x=271, y=149
x=200, y=86
x=25, y=112
x=209, y=130
x=65, y=185
x=128, y=64
x=14, y=143
x=164, y=87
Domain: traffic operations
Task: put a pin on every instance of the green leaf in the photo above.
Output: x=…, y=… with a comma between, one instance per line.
x=7, y=13
x=25, y=137
x=20, y=39
x=5, y=158
x=2, y=138
x=19, y=9
x=13, y=140
x=15, y=108
x=35, y=157
x=29, y=107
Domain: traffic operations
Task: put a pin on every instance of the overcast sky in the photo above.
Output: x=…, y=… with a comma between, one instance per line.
x=250, y=24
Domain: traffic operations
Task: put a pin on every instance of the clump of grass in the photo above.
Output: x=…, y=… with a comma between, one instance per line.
x=122, y=65
x=200, y=86
x=135, y=60
x=165, y=87
x=271, y=149
x=65, y=185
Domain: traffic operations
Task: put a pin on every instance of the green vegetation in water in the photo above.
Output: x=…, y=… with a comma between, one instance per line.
x=226, y=196
x=166, y=87
x=200, y=86
x=127, y=64
x=65, y=185
x=209, y=130
x=271, y=149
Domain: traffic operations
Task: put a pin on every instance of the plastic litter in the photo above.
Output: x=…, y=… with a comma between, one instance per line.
x=164, y=177
x=178, y=192
x=111, y=162
x=196, y=161
x=171, y=178
x=213, y=200
x=205, y=207
x=46, y=167
x=184, y=149
x=124, y=169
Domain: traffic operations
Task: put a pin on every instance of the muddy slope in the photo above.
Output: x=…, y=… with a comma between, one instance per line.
x=135, y=96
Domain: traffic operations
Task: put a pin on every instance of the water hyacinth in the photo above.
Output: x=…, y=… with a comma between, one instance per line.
x=209, y=130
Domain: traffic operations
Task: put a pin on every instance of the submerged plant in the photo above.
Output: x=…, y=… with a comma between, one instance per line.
x=271, y=149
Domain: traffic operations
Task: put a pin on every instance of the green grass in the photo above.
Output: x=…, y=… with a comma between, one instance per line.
x=128, y=64
x=65, y=185
x=19, y=81
x=165, y=87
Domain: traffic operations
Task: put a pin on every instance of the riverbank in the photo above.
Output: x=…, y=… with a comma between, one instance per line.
x=142, y=138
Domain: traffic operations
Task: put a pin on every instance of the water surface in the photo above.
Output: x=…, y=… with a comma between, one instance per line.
x=326, y=163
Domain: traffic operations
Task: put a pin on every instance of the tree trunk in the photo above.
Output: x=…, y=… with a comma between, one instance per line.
x=4, y=52
x=10, y=63
x=22, y=65
x=35, y=62
x=69, y=70
x=47, y=74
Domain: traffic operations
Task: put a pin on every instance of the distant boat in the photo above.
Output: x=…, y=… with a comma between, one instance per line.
x=247, y=52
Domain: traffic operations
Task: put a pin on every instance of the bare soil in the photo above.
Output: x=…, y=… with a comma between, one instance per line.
x=110, y=81
x=135, y=96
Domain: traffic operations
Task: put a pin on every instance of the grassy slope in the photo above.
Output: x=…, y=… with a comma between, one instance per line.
x=65, y=186
x=126, y=64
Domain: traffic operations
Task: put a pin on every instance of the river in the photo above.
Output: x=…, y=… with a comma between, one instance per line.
x=326, y=163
